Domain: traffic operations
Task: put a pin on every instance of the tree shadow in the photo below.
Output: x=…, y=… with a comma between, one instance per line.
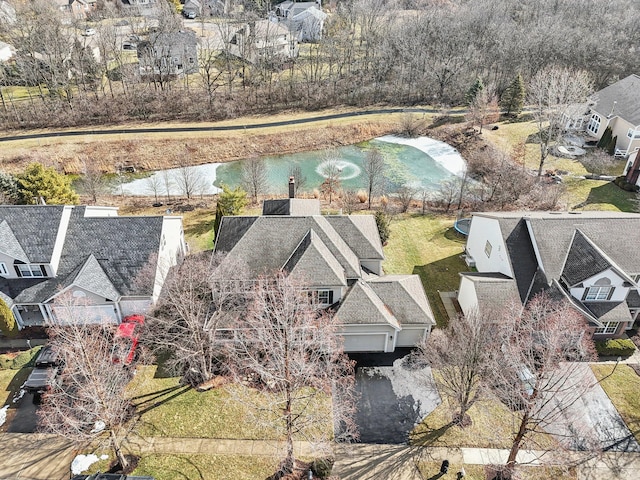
x=200, y=223
x=429, y=436
x=611, y=194
x=158, y=398
x=14, y=386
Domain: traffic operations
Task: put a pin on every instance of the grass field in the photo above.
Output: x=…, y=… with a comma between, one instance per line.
x=430, y=247
x=622, y=388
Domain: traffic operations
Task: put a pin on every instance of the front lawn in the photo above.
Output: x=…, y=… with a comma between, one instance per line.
x=206, y=467
x=169, y=409
x=428, y=246
x=622, y=388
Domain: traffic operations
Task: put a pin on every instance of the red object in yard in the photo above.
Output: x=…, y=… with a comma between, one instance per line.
x=126, y=338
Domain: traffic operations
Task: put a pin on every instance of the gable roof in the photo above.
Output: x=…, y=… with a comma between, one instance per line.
x=583, y=261
x=248, y=237
x=494, y=291
x=621, y=98
x=405, y=297
x=361, y=234
x=362, y=306
x=291, y=206
x=30, y=230
x=314, y=264
x=9, y=244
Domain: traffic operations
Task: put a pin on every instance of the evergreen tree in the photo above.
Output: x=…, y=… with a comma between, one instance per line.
x=383, y=221
x=605, y=139
x=7, y=320
x=38, y=181
x=611, y=147
x=512, y=100
x=9, y=191
x=230, y=202
x=472, y=93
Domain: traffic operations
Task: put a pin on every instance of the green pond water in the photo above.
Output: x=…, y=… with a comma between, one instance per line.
x=404, y=165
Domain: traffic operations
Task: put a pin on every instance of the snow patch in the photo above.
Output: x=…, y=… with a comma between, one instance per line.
x=98, y=427
x=19, y=395
x=82, y=463
x=142, y=186
x=3, y=414
x=444, y=154
x=407, y=381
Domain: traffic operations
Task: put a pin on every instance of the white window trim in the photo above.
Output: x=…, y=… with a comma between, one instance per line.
x=598, y=293
x=29, y=271
x=633, y=134
x=594, y=121
x=608, y=328
x=487, y=249
x=3, y=269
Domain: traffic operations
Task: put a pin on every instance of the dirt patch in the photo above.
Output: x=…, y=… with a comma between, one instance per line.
x=154, y=153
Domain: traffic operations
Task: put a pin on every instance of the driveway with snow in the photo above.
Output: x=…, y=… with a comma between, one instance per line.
x=393, y=400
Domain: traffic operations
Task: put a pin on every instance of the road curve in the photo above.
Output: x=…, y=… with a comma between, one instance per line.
x=252, y=126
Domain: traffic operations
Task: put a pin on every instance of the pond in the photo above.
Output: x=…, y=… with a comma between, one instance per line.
x=421, y=162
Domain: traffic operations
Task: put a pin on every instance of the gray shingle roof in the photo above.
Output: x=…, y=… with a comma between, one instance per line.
x=405, y=297
x=583, y=261
x=9, y=244
x=266, y=243
x=35, y=228
x=521, y=255
x=494, y=291
x=609, y=311
x=313, y=263
x=361, y=234
x=361, y=306
x=633, y=299
x=626, y=94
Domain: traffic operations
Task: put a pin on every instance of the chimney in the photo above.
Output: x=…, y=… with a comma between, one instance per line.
x=292, y=187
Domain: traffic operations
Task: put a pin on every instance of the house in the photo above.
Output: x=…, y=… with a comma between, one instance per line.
x=192, y=6
x=168, y=54
x=339, y=257
x=76, y=8
x=263, y=39
x=6, y=52
x=584, y=257
x=632, y=169
x=618, y=106
x=114, y=266
x=305, y=19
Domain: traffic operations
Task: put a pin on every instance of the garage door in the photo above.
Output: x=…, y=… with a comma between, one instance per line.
x=365, y=343
x=409, y=338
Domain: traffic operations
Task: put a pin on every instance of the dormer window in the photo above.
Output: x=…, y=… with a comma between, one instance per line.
x=602, y=290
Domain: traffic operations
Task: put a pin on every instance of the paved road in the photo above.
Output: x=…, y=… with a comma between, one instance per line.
x=220, y=128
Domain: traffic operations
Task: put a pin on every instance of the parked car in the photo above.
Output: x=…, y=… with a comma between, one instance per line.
x=189, y=14
x=89, y=32
x=44, y=373
x=126, y=339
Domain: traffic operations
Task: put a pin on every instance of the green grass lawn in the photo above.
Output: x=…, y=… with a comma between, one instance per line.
x=585, y=194
x=430, y=247
x=206, y=467
x=169, y=409
x=622, y=388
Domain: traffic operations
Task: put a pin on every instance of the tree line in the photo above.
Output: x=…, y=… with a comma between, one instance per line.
x=373, y=51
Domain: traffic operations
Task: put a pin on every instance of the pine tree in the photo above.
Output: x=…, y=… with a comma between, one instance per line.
x=39, y=182
x=512, y=100
x=230, y=202
x=611, y=147
x=472, y=93
x=605, y=140
x=7, y=320
x=383, y=221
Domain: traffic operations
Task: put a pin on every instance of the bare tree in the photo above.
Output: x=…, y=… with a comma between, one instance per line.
x=168, y=182
x=483, y=108
x=291, y=351
x=406, y=194
x=253, y=177
x=374, y=169
x=535, y=366
x=199, y=297
x=89, y=395
x=349, y=201
x=331, y=172
x=93, y=181
x=154, y=185
x=189, y=181
x=550, y=93
x=460, y=354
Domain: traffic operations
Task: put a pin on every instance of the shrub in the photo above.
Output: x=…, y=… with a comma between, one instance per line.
x=5, y=362
x=321, y=467
x=382, y=221
x=362, y=196
x=615, y=347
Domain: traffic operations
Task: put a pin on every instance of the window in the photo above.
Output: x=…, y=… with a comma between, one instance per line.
x=598, y=293
x=487, y=249
x=30, y=271
x=3, y=269
x=609, y=327
x=594, y=124
x=633, y=133
x=325, y=296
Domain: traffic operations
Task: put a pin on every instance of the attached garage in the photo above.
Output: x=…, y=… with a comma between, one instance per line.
x=410, y=337
x=365, y=342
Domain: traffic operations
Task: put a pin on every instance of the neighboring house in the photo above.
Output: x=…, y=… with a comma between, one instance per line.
x=168, y=55
x=305, y=19
x=76, y=8
x=263, y=39
x=340, y=258
x=586, y=257
x=114, y=266
x=618, y=106
x=632, y=170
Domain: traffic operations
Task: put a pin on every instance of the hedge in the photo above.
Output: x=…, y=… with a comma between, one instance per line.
x=615, y=347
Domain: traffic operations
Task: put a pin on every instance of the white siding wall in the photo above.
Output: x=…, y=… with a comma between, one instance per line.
x=8, y=262
x=133, y=306
x=374, y=265
x=482, y=230
x=172, y=250
x=619, y=294
x=411, y=336
x=60, y=237
x=467, y=297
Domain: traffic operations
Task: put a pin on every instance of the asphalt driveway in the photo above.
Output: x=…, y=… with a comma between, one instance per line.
x=394, y=398
x=591, y=422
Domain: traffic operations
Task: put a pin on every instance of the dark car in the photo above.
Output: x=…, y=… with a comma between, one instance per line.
x=43, y=374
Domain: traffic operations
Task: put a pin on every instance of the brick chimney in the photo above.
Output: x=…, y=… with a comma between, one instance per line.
x=292, y=187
